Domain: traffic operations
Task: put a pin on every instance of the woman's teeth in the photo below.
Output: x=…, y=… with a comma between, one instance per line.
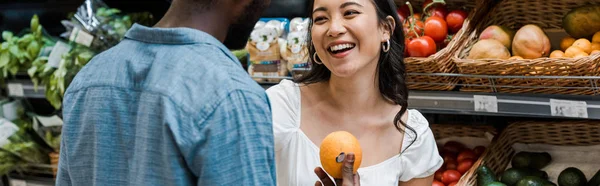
x=340, y=47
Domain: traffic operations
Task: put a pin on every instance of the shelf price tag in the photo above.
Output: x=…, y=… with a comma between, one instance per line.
x=15, y=89
x=565, y=108
x=485, y=103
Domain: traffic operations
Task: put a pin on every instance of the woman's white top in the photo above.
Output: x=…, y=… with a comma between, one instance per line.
x=297, y=156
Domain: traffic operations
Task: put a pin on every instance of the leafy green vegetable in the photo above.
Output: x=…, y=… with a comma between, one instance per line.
x=22, y=144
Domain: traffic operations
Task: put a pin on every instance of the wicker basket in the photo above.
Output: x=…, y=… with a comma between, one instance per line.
x=448, y=131
x=54, y=156
x=561, y=133
x=439, y=62
x=548, y=15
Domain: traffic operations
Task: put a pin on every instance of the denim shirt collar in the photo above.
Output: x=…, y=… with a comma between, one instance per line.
x=175, y=36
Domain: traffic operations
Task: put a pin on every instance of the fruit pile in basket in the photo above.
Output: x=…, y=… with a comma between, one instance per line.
x=431, y=29
x=531, y=41
x=575, y=48
x=458, y=159
x=527, y=169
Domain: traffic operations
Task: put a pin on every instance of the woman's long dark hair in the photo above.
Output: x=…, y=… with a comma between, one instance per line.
x=390, y=67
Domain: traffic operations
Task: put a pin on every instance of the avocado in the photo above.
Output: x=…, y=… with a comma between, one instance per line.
x=531, y=181
x=539, y=160
x=485, y=176
x=512, y=176
x=521, y=160
x=536, y=172
x=496, y=184
x=595, y=181
x=535, y=160
x=571, y=177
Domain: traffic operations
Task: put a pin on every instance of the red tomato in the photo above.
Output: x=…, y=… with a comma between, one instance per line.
x=438, y=174
x=451, y=165
x=418, y=28
x=449, y=157
x=479, y=150
x=466, y=154
x=450, y=176
x=421, y=47
x=437, y=183
x=464, y=166
x=455, y=20
x=453, y=147
x=403, y=12
x=453, y=183
x=436, y=28
x=417, y=16
x=439, y=11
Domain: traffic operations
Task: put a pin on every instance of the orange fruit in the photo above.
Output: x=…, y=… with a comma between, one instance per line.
x=566, y=42
x=584, y=44
x=515, y=57
x=596, y=37
x=595, y=46
x=572, y=51
x=336, y=144
x=580, y=55
x=557, y=54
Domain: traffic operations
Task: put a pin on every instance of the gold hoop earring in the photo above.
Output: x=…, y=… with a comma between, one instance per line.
x=384, y=46
x=315, y=59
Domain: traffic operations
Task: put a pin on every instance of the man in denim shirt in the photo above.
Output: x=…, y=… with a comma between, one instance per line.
x=171, y=105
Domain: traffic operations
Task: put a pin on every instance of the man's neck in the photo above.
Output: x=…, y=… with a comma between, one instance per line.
x=209, y=21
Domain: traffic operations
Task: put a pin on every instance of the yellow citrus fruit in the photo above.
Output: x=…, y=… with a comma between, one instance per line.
x=333, y=146
x=580, y=55
x=595, y=46
x=584, y=44
x=596, y=38
x=557, y=54
x=515, y=57
x=572, y=51
x=566, y=42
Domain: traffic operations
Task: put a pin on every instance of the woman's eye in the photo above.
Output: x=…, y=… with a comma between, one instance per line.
x=351, y=12
x=319, y=19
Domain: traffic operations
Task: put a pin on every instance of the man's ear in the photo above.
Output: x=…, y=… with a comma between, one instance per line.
x=388, y=28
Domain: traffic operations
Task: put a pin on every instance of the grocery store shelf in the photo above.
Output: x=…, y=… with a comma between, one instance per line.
x=518, y=105
x=522, y=105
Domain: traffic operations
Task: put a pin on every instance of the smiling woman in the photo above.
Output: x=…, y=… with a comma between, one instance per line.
x=357, y=84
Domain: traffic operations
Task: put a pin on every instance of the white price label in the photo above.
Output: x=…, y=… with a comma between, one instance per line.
x=15, y=89
x=56, y=55
x=15, y=182
x=81, y=37
x=50, y=121
x=485, y=103
x=11, y=110
x=7, y=129
x=577, y=109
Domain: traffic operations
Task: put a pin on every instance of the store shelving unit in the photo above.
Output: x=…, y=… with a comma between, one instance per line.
x=500, y=104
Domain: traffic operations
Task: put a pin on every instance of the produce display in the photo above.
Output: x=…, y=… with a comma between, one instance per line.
x=53, y=62
x=526, y=170
x=530, y=41
x=431, y=29
x=17, y=140
x=458, y=159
